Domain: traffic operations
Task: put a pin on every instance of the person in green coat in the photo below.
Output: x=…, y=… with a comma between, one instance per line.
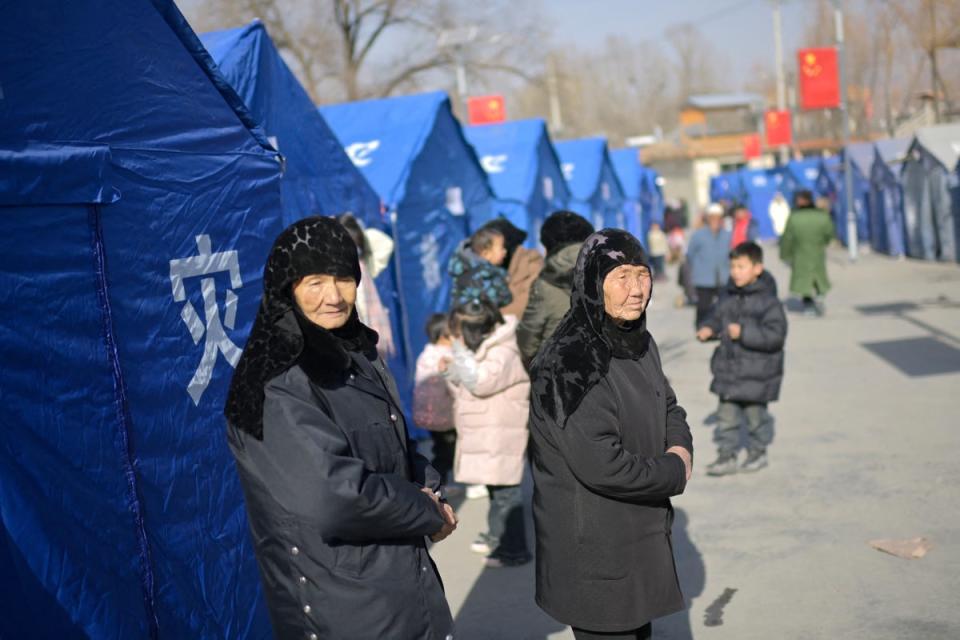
x=804, y=247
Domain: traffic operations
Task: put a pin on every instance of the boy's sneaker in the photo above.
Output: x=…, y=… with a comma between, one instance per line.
x=724, y=465
x=475, y=491
x=482, y=544
x=754, y=462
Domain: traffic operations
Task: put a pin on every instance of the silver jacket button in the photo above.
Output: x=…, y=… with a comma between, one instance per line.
x=295, y=551
x=313, y=636
x=393, y=417
x=306, y=608
x=303, y=580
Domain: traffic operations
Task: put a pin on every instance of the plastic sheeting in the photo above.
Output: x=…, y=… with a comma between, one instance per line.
x=929, y=182
x=595, y=191
x=139, y=207
x=412, y=151
x=886, y=197
x=524, y=172
x=318, y=177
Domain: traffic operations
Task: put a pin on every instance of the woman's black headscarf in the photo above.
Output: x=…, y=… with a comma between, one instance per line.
x=281, y=334
x=577, y=356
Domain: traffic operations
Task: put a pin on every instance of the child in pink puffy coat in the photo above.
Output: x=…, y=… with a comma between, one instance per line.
x=491, y=399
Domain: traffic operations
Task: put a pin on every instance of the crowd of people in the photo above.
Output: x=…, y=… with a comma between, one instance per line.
x=544, y=361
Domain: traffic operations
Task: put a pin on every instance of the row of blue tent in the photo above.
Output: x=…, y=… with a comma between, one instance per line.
x=906, y=192
x=144, y=173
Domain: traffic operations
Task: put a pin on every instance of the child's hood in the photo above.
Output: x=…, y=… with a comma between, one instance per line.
x=763, y=285
x=504, y=334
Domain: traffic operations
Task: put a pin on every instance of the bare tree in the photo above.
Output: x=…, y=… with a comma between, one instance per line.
x=353, y=49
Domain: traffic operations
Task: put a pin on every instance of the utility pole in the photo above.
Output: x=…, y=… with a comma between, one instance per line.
x=781, y=82
x=456, y=40
x=556, y=116
x=845, y=123
x=934, y=75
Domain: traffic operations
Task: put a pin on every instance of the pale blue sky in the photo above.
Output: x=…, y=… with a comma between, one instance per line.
x=742, y=29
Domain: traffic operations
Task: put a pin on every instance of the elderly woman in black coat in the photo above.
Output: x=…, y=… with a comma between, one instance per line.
x=610, y=446
x=339, y=502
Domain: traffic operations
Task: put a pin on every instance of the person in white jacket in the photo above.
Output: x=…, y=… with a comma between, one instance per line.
x=375, y=249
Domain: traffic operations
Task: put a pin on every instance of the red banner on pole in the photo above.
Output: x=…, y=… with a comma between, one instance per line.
x=777, y=125
x=751, y=146
x=819, y=75
x=486, y=110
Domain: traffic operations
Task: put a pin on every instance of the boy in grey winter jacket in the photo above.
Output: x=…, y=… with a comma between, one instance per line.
x=747, y=367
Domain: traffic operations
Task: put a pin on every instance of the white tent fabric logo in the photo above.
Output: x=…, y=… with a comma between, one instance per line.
x=494, y=164
x=361, y=153
x=207, y=263
x=430, y=262
x=568, y=168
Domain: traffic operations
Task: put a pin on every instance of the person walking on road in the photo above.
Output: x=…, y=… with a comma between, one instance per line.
x=707, y=255
x=338, y=501
x=610, y=446
x=562, y=235
x=803, y=246
x=748, y=365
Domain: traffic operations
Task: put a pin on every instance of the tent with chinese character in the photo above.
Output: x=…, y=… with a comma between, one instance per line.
x=633, y=179
x=757, y=189
x=886, y=197
x=929, y=190
x=412, y=151
x=523, y=170
x=595, y=191
x=139, y=203
x=318, y=177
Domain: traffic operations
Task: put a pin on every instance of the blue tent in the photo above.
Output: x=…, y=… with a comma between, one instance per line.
x=886, y=197
x=726, y=186
x=139, y=203
x=651, y=195
x=596, y=194
x=524, y=172
x=831, y=185
x=799, y=175
x=828, y=177
x=318, y=176
x=930, y=210
x=634, y=179
x=412, y=151
x=758, y=187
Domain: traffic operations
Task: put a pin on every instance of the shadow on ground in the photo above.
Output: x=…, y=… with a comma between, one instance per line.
x=693, y=576
x=501, y=605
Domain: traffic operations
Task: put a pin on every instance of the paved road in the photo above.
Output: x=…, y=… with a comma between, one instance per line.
x=867, y=446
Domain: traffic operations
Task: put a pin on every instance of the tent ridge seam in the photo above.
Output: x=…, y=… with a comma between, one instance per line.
x=123, y=421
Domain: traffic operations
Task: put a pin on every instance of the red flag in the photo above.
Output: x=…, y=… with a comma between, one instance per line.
x=486, y=110
x=751, y=146
x=819, y=76
x=777, y=124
